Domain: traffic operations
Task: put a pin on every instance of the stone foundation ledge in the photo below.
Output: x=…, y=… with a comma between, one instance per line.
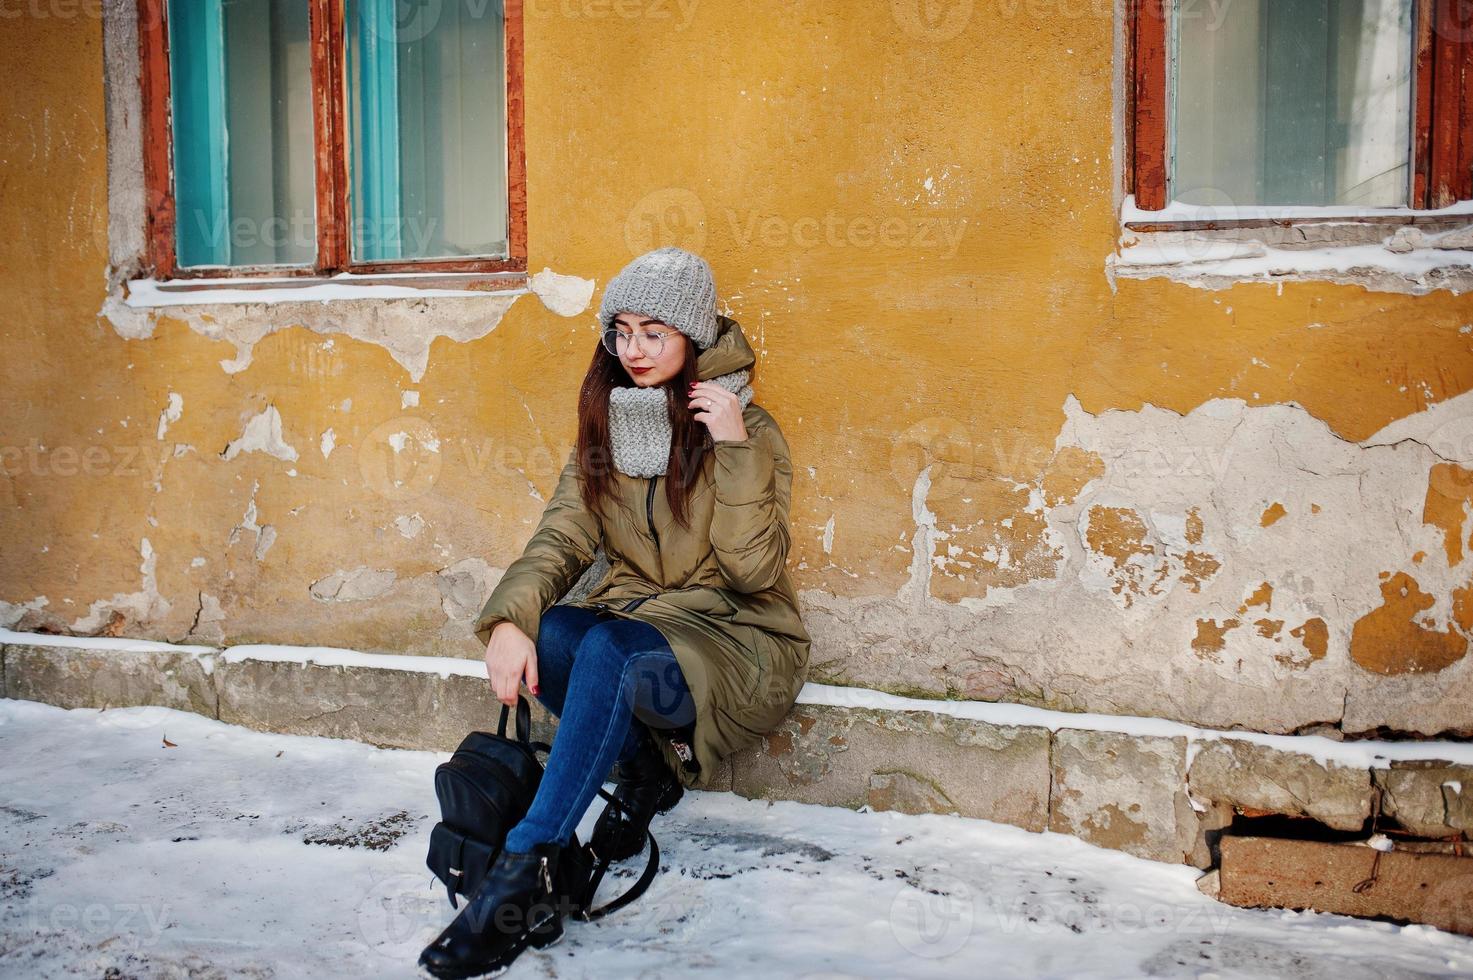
x=1153, y=788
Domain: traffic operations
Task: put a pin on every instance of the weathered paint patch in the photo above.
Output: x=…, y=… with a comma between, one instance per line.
x=171, y=413
x=13, y=615
x=1211, y=637
x=1449, y=501
x=265, y=533
x=355, y=585
x=405, y=328
x=409, y=525
x=209, y=619
x=1391, y=640
x=108, y=616
x=1268, y=627
x=1198, y=567
x=1463, y=607
x=1315, y=636
x=1068, y=473
x=1119, y=535
x=464, y=587
x=1195, y=527
x=1201, y=489
x=262, y=434
x=563, y=295
x=1262, y=596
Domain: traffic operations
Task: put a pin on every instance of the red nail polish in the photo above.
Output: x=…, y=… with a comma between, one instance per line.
x=536, y=690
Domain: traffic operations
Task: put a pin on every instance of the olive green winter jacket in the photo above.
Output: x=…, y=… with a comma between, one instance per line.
x=719, y=591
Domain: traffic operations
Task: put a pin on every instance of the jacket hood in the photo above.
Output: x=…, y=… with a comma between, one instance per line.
x=730, y=352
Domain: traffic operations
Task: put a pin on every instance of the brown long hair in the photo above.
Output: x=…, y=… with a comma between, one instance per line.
x=689, y=438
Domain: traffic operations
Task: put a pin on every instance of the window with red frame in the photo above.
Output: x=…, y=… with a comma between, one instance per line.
x=315, y=137
x=1260, y=103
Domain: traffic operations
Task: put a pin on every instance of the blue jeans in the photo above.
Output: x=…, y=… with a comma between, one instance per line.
x=596, y=673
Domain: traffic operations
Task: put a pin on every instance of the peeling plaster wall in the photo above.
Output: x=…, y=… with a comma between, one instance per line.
x=405, y=329
x=1239, y=507
x=1234, y=566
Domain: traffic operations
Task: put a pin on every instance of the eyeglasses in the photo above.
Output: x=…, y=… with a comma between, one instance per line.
x=616, y=342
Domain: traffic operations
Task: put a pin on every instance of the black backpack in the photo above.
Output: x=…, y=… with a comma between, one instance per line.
x=485, y=789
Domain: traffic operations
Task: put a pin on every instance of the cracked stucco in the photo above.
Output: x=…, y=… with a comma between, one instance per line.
x=262, y=434
x=145, y=604
x=265, y=534
x=354, y=585
x=405, y=328
x=1183, y=499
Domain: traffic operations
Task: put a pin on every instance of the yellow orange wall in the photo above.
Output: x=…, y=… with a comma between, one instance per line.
x=913, y=229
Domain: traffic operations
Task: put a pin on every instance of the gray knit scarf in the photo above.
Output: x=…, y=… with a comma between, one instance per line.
x=639, y=424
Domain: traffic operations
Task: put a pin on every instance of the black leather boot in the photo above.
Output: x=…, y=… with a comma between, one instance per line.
x=515, y=906
x=646, y=786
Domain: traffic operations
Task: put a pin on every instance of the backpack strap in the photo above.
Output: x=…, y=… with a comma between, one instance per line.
x=523, y=722
x=601, y=864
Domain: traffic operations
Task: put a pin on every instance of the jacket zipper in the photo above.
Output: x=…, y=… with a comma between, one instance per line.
x=649, y=514
x=649, y=511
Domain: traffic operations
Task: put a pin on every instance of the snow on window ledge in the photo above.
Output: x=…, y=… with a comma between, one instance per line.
x=153, y=293
x=1383, y=249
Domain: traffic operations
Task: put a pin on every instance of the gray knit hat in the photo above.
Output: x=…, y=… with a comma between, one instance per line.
x=670, y=284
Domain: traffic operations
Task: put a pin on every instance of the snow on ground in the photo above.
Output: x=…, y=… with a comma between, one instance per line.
x=244, y=854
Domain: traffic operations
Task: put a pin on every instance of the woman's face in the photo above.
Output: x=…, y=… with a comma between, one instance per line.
x=643, y=359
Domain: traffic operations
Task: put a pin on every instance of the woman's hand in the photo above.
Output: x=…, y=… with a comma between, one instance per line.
x=720, y=410
x=510, y=656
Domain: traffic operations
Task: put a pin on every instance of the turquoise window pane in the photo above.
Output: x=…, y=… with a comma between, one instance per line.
x=427, y=123
x=241, y=91
x=1290, y=102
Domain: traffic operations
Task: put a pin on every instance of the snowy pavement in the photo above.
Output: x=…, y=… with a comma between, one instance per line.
x=235, y=853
